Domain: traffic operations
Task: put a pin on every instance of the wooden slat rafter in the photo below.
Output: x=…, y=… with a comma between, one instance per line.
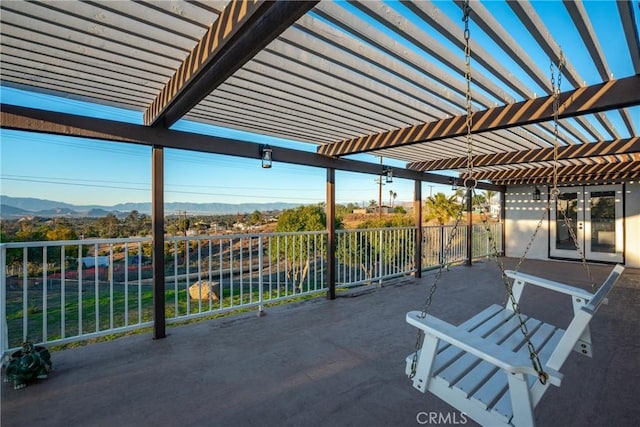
x=593, y=178
x=614, y=94
x=630, y=169
x=243, y=28
x=596, y=149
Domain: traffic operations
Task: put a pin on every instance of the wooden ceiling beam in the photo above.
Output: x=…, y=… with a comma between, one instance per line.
x=242, y=30
x=611, y=95
x=596, y=149
x=50, y=122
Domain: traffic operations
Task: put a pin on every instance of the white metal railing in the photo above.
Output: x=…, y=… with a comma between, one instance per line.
x=219, y=273
x=57, y=292
x=63, y=291
x=372, y=255
x=435, y=239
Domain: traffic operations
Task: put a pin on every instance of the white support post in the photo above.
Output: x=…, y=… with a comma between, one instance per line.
x=261, y=311
x=569, y=339
x=381, y=259
x=583, y=346
x=521, y=401
x=517, y=289
x=425, y=361
x=4, y=340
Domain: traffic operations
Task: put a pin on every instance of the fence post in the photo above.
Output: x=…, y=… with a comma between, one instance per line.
x=331, y=233
x=4, y=341
x=417, y=219
x=469, y=227
x=261, y=311
x=441, y=252
x=488, y=252
x=381, y=259
x=157, y=220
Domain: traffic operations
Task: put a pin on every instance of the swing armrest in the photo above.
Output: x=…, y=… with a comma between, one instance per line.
x=549, y=284
x=499, y=357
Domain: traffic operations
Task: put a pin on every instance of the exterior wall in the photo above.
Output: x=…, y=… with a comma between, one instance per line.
x=522, y=215
x=632, y=224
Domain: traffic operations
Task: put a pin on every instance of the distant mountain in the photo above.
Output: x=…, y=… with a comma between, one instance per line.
x=10, y=211
x=33, y=205
x=98, y=213
x=57, y=212
x=12, y=207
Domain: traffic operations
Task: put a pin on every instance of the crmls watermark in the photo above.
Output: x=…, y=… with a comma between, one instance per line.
x=433, y=417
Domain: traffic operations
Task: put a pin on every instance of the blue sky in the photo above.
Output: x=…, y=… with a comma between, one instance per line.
x=85, y=172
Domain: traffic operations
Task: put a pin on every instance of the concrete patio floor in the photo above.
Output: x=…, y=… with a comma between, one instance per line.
x=330, y=363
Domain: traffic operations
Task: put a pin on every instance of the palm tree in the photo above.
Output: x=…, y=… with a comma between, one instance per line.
x=392, y=197
x=441, y=208
x=489, y=194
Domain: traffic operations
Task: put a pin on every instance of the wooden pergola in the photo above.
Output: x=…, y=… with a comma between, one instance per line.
x=354, y=77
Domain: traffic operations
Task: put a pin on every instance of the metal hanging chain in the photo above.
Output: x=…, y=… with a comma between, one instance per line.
x=432, y=290
x=533, y=354
x=572, y=232
x=555, y=89
x=555, y=192
x=447, y=248
x=470, y=184
x=466, y=9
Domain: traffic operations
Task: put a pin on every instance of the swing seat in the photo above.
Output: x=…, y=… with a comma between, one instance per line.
x=482, y=367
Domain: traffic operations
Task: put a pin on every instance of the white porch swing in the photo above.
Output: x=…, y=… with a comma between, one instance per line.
x=496, y=366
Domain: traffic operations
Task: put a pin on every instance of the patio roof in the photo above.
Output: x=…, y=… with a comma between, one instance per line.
x=335, y=73
x=338, y=363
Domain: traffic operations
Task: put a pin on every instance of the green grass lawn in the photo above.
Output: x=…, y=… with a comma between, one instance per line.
x=107, y=310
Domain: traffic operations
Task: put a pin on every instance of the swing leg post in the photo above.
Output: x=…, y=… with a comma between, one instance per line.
x=521, y=400
x=425, y=363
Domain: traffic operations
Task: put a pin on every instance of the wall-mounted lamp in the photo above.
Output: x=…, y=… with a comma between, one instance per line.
x=454, y=184
x=266, y=157
x=389, y=175
x=536, y=194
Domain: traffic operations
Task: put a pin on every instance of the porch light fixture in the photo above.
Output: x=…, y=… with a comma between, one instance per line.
x=454, y=184
x=389, y=175
x=536, y=194
x=266, y=157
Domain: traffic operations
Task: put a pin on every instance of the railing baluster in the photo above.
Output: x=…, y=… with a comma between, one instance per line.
x=96, y=289
x=139, y=282
x=44, y=294
x=63, y=288
x=240, y=269
x=199, y=276
x=25, y=295
x=4, y=328
x=186, y=263
x=175, y=278
x=250, y=269
x=111, y=286
x=220, y=275
x=231, y=272
x=126, y=284
x=210, y=267
x=260, y=278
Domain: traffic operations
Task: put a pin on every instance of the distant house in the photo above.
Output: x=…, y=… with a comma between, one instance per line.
x=240, y=226
x=92, y=261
